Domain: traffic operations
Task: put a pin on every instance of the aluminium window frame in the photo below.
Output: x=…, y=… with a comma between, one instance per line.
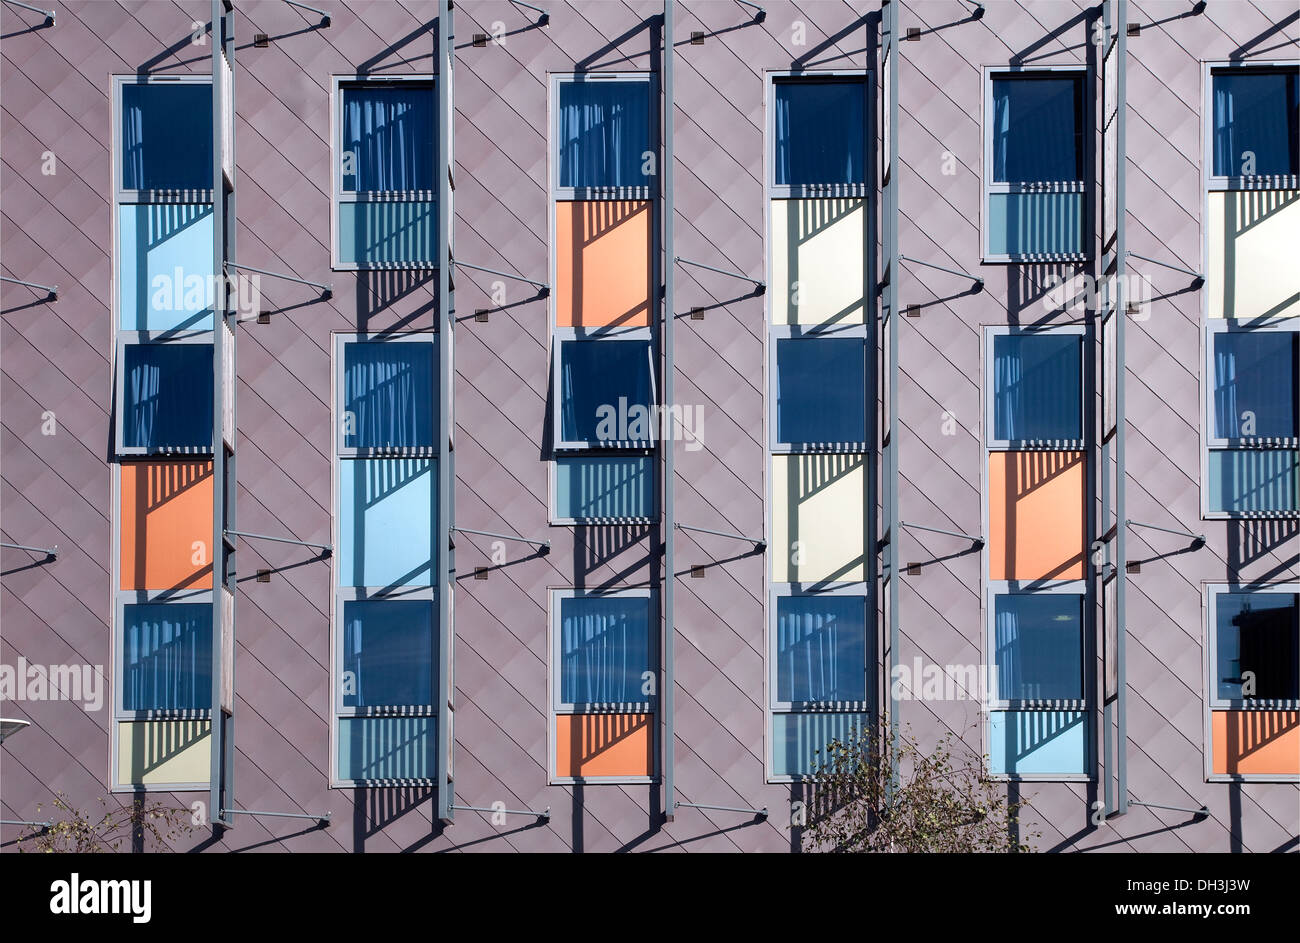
x=122, y=195
x=1213, y=441
x=1084, y=333
x=1074, y=588
x=137, y=597
x=561, y=194
x=338, y=82
x=1210, y=594
x=555, y=707
x=862, y=591
x=341, y=341
x=864, y=190
x=1227, y=182
x=140, y=339
x=812, y=333
x=563, y=335
x=553, y=503
x=1085, y=185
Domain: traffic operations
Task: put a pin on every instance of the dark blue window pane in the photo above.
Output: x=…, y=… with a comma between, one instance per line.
x=1036, y=224
x=1037, y=129
x=1256, y=117
x=1258, y=633
x=821, y=391
x=605, y=392
x=1037, y=387
x=387, y=653
x=604, y=133
x=821, y=648
x=819, y=132
x=1255, y=383
x=166, y=656
x=167, y=136
x=167, y=396
x=593, y=488
x=1039, y=646
x=391, y=135
x=604, y=649
x=1245, y=481
x=389, y=395
x=388, y=748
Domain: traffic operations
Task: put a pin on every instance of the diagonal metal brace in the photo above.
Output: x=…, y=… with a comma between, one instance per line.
x=543, y=289
x=50, y=552
x=327, y=291
x=1177, y=268
x=542, y=20
x=759, y=544
x=325, y=549
x=49, y=14
x=51, y=291
x=759, y=286
x=979, y=282
x=545, y=815
x=543, y=546
x=1198, y=539
x=977, y=541
x=324, y=17
x=759, y=813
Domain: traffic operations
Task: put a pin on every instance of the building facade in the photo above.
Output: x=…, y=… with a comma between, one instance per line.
x=648, y=396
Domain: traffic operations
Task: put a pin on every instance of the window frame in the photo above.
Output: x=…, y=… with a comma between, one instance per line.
x=122, y=195
x=1213, y=441
x=338, y=195
x=862, y=591
x=1084, y=334
x=863, y=190
x=562, y=335
x=621, y=194
x=341, y=342
x=811, y=333
x=1230, y=183
x=136, y=597
x=1083, y=186
x=139, y=339
x=1211, y=593
x=1073, y=588
x=553, y=515
x=555, y=707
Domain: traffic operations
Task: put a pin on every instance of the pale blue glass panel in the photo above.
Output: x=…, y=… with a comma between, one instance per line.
x=1035, y=224
x=387, y=522
x=389, y=748
x=604, y=487
x=1254, y=480
x=799, y=740
x=165, y=266
x=383, y=233
x=1045, y=743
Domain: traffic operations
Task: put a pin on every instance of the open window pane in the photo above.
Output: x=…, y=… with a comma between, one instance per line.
x=821, y=646
x=603, y=133
x=1257, y=641
x=167, y=396
x=1256, y=123
x=818, y=127
x=166, y=656
x=1037, y=387
x=821, y=391
x=387, y=653
x=387, y=748
x=387, y=521
x=1035, y=224
x=599, y=487
x=389, y=395
x=1038, y=644
x=605, y=391
x=1037, y=129
x=167, y=136
x=604, y=649
x=1255, y=383
x=1246, y=481
x=389, y=138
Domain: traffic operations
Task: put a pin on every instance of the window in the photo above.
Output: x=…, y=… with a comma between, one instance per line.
x=819, y=398
x=603, y=684
x=602, y=135
x=1038, y=645
x=385, y=626
x=385, y=179
x=818, y=141
x=1255, y=128
x=820, y=666
x=1252, y=436
x=1035, y=165
x=164, y=396
x=604, y=392
x=165, y=135
x=1037, y=388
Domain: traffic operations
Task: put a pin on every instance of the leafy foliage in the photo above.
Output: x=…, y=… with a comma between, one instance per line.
x=78, y=831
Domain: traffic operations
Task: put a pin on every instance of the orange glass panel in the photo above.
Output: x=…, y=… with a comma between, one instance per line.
x=602, y=263
x=166, y=524
x=1036, y=515
x=589, y=745
x=1258, y=743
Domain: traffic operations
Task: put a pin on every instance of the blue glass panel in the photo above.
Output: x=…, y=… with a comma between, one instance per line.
x=392, y=134
x=1254, y=480
x=821, y=391
x=1038, y=640
x=1256, y=386
x=387, y=522
x=165, y=267
x=1256, y=115
x=604, y=487
x=1045, y=743
x=799, y=740
x=388, y=651
x=601, y=384
x=390, y=394
x=1037, y=129
x=388, y=233
x=604, y=649
x=167, y=136
x=372, y=748
x=819, y=132
x=821, y=648
x=1035, y=224
x=1037, y=387
x=1258, y=633
x=604, y=131
x=166, y=656
x=167, y=396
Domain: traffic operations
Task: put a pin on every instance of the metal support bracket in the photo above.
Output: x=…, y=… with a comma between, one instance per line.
x=51, y=552
x=759, y=17
x=327, y=291
x=49, y=14
x=324, y=820
x=759, y=813
x=41, y=825
x=543, y=289
x=543, y=546
x=324, y=17
x=1198, y=539
x=1198, y=276
x=979, y=282
x=542, y=20
x=977, y=541
x=325, y=549
x=759, y=544
x=544, y=816
x=1202, y=811
x=51, y=291
x=759, y=286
